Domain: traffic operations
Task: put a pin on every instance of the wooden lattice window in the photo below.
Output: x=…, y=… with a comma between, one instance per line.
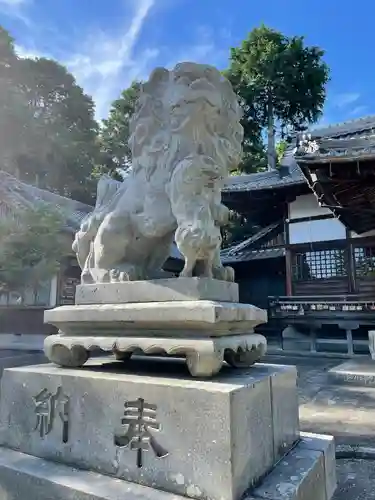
x=364, y=261
x=320, y=264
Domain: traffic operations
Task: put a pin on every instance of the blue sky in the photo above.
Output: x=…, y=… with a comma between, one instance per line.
x=108, y=43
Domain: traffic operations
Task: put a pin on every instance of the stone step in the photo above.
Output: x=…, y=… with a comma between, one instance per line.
x=360, y=373
x=306, y=473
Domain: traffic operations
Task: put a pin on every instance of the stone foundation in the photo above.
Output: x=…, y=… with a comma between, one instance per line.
x=217, y=439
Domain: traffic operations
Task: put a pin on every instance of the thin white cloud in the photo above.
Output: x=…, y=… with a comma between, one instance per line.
x=13, y=3
x=358, y=111
x=16, y=9
x=204, y=49
x=29, y=52
x=106, y=65
x=345, y=99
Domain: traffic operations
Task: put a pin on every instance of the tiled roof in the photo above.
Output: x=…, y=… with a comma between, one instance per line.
x=237, y=248
x=15, y=194
x=251, y=254
x=346, y=129
x=346, y=144
x=246, y=250
x=290, y=173
x=243, y=251
x=334, y=150
x=233, y=254
x=349, y=191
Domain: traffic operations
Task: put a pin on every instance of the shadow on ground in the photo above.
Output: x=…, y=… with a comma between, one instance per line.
x=345, y=411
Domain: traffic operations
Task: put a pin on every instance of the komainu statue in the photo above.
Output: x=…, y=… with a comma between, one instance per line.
x=185, y=138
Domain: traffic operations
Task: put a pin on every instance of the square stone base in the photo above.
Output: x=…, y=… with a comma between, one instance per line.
x=354, y=372
x=203, y=318
x=301, y=475
x=159, y=428
x=161, y=290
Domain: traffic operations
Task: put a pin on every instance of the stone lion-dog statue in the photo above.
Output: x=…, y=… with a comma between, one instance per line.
x=185, y=139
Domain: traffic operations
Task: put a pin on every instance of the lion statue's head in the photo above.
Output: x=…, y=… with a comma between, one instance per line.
x=190, y=110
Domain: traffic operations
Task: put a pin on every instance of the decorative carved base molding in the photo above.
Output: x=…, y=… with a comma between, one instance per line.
x=204, y=356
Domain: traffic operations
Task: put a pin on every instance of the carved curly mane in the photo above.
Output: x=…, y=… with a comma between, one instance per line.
x=185, y=137
x=161, y=124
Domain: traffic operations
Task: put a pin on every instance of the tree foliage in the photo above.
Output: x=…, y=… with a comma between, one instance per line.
x=238, y=229
x=32, y=245
x=281, y=147
x=280, y=81
x=65, y=148
x=48, y=134
x=115, y=132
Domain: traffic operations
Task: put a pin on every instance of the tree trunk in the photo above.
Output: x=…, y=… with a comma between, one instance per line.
x=271, y=150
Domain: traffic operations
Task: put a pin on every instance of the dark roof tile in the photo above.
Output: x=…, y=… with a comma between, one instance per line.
x=290, y=173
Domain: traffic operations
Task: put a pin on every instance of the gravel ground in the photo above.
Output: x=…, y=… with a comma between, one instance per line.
x=356, y=480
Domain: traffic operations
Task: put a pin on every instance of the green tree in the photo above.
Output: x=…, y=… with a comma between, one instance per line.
x=48, y=134
x=238, y=229
x=63, y=147
x=31, y=246
x=281, y=82
x=254, y=158
x=114, y=134
x=281, y=147
x=15, y=116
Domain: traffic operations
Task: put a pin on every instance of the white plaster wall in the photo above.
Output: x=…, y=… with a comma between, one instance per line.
x=316, y=230
x=306, y=206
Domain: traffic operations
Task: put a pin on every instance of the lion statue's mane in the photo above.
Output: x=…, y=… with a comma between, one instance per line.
x=185, y=138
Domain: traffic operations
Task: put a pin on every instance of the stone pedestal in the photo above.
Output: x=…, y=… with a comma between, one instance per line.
x=139, y=426
x=197, y=318
x=216, y=439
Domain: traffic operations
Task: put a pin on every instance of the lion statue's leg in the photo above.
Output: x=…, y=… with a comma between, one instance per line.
x=190, y=261
x=159, y=254
x=220, y=272
x=86, y=276
x=203, y=268
x=111, y=245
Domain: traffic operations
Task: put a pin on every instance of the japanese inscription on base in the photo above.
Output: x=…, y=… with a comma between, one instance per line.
x=139, y=421
x=47, y=406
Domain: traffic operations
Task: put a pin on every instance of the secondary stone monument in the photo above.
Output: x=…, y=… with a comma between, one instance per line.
x=154, y=427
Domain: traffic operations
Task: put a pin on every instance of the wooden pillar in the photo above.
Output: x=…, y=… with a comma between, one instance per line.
x=349, y=342
x=313, y=339
x=288, y=272
x=350, y=263
x=288, y=260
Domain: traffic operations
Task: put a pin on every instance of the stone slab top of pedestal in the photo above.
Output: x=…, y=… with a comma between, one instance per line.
x=161, y=290
x=159, y=428
x=355, y=372
x=172, y=318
